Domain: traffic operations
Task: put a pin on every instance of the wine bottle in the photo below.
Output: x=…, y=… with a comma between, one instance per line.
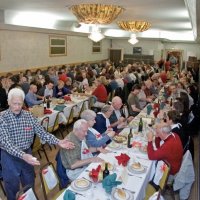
x=48, y=103
x=44, y=103
x=140, y=126
x=106, y=171
x=130, y=135
x=170, y=102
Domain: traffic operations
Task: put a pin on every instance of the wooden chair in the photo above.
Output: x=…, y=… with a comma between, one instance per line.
x=56, y=126
x=150, y=190
x=49, y=187
x=83, y=107
x=25, y=192
x=45, y=124
x=70, y=118
x=38, y=147
x=91, y=104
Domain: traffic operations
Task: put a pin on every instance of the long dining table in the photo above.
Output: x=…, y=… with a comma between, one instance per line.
x=134, y=183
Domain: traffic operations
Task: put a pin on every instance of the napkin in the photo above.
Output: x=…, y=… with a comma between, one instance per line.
x=67, y=98
x=69, y=195
x=122, y=159
x=59, y=107
x=94, y=174
x=109, y=182
x=47, y=111
x=149, y=109
x=162, y=105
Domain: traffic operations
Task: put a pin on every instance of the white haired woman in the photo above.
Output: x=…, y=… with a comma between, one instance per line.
x=94, y=138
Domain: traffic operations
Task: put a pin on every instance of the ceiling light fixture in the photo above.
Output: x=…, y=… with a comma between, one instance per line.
x=96, y=13
x=96, y=34
x=133, y=40
x=134, y=26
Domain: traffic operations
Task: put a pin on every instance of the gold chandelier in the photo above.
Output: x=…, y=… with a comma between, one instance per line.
x=96, y=13
x=134, y=26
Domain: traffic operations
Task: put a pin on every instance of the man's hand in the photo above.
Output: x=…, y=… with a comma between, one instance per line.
x=30, y=159
x=96, y=159
x=102, y=150
x=66, y=144
x=111, y=134
x=121, y=120
x=150, y=136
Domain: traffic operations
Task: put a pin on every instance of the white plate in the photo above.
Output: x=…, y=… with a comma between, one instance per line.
x=140, y=170
x=114, y=145
x=81, y=184
x=115, y=196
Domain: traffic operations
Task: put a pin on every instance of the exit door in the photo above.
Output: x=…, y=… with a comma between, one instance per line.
x=115, y=55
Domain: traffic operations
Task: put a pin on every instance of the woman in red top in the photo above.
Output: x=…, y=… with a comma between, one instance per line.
x=100, y=92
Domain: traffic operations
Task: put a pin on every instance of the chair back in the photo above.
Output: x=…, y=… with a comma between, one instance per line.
x=84, y=106
x=166, y=170
x=70, y=119
x=36, y=144
x=162, y=169
x=26, y=193
x=45, y=122
x=49, y=179
x=55, y=127
x=91, y=102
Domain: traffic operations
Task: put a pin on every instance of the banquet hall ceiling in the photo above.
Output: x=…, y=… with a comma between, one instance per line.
x=171, y=20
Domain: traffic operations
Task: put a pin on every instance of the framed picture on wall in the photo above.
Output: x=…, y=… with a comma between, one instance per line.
x=96, y=47
x=137, y=50
x=57, y=45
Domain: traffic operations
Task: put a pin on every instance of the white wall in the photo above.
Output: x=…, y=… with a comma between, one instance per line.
x=24, y=49
x=155, y=47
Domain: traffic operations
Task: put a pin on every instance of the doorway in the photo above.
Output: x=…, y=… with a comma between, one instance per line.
x=175, y=56
x=115, y=55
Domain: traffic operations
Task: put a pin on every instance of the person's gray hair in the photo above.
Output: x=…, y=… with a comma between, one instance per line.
x=166, y=129
x=78, y=124
x=88, y=115
x=105, y=108
x=16, y=92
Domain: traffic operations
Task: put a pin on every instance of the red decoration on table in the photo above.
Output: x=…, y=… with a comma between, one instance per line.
x=67, y=98
x=123, y=159
x=94, y=174
x=156, y=106
x=47, y=111
x=86, y=151
x=136, y=144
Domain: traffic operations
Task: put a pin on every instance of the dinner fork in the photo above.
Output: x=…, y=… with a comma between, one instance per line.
x=134, y=175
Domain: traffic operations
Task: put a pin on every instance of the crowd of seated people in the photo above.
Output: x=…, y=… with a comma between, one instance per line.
x=139, y=85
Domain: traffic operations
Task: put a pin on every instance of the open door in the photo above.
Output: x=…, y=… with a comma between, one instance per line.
x=175, y=57
x=115, y=55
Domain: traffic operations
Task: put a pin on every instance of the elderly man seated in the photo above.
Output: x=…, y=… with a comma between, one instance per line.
x=118, y=116
x=169, y=147
x=94, y=138
x=77, y=159
x=32, y=98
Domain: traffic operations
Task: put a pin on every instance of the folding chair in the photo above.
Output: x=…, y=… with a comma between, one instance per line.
x=70, y=118
x=50, y=181
x=56, y=126
x=83, y=107
x=26, y=193
x=151, y=188
x=38, y=146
